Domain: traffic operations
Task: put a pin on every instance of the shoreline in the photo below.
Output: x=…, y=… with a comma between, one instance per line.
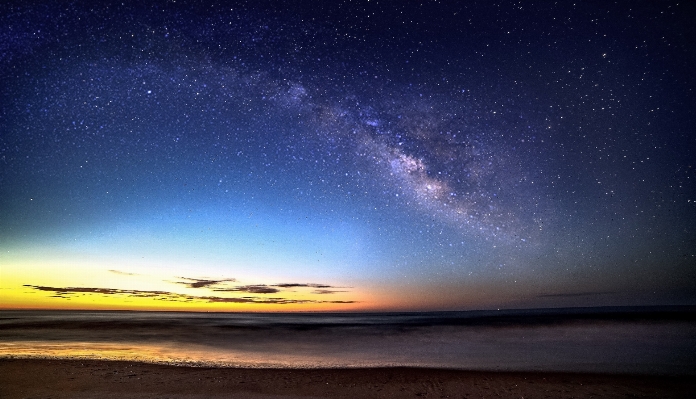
x=57, y=378
x=212, y=365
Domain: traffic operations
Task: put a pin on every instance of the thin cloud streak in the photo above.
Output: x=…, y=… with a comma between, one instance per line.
x=202, y=283
x=325, y=292
x=252, y=289
x=123, y=273
x=299, y=285
x=271, y=289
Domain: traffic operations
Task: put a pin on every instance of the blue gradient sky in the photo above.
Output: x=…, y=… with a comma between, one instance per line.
x=347, y=156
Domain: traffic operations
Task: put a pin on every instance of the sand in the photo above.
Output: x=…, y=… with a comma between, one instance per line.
x=30, y=378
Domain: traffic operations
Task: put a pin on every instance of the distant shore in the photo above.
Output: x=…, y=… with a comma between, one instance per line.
x=22, y=378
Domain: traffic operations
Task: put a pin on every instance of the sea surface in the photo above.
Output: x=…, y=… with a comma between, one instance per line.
x=605, y=340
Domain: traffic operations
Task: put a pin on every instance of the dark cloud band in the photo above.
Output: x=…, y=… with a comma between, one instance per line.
x=67, y=292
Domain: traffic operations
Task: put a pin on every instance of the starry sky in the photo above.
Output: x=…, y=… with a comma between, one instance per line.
x=347, y=155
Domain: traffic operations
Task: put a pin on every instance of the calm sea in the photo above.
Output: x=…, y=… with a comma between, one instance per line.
x=607, y=340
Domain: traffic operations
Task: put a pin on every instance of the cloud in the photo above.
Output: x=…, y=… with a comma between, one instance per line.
x=68, y=292
x=324, y=292
x=202, y=283
x=296, y=285
x=274, y=288
x=123, y=273
x=281, y=301
x=252, y=289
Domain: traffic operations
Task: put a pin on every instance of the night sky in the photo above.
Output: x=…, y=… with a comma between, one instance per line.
x=347, y=155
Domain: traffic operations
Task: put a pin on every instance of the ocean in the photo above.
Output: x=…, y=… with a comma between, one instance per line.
x=602, y=340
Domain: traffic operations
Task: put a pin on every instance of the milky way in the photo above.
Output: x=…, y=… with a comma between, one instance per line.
x=503, y=156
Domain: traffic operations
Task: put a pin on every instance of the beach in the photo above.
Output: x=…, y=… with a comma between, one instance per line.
x=585, y=353
x=638, y=341
x=44, y=378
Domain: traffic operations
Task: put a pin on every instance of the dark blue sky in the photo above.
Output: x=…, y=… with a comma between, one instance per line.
x=440, y=155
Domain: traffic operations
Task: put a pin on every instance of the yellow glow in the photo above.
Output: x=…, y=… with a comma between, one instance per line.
x=138, y=291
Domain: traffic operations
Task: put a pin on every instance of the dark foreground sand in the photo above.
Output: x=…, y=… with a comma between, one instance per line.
x=103, y=379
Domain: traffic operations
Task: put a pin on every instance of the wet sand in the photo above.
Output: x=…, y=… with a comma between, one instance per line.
x=33, y=378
